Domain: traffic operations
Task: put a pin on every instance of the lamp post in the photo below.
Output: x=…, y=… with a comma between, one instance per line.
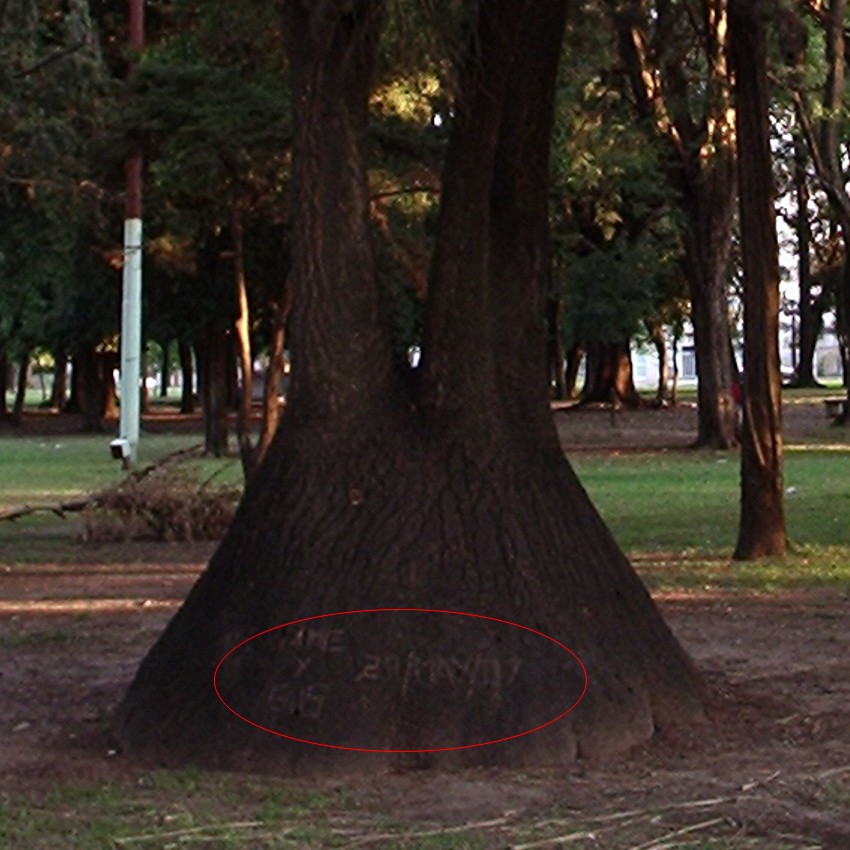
x=126, y=446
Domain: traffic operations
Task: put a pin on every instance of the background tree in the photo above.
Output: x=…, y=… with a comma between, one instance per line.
x=762, y=526
x=675, y=58
x=466, y=501
x=824, y=137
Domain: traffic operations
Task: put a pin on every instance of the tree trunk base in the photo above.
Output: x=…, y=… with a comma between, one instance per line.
x=391, y=526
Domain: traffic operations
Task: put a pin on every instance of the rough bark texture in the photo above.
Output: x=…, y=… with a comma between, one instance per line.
x=762, y=524
x=466, y=504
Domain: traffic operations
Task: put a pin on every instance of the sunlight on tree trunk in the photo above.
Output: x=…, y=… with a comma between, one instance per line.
x=762, y=526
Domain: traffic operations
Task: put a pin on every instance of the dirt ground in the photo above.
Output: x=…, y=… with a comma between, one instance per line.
x=769, y=769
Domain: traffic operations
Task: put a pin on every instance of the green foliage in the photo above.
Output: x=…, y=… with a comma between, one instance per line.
x=54, y=96
x=616, y=239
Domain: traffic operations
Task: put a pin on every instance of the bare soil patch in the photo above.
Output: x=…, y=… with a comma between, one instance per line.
x=773, y=759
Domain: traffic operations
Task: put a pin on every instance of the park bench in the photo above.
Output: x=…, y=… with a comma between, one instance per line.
x=834, y=407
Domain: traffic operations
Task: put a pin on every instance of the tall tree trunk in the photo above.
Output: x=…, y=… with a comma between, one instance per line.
x=212, y=351
x=187, y=374
x=609, y=377
x=810, y=315
x=360, y=504
x=4, y=382
x=762, y=526
x=245, y=358
x=21, y=388
x=555, y=349
x=164, y=368
x=709, y=210
x=271, y=405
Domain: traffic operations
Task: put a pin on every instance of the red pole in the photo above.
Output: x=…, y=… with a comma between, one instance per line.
x=136, y=43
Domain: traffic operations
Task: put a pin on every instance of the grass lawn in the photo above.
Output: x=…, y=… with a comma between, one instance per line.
x=661, y=506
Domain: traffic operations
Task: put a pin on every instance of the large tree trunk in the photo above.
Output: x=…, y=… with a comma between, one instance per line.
x=466, y=505
x=762, y=527
x=93, y=387
x=609, y=378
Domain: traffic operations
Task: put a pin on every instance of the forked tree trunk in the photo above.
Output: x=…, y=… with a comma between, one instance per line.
x=467, y=505
x=762, y=526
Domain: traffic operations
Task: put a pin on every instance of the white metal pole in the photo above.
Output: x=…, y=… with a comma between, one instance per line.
x=126, y=447
x=131, y=340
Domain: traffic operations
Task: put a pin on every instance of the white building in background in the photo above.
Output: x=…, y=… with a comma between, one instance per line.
x=827, y=363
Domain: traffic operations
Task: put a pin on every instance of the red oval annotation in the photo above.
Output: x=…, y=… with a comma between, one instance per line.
x=436, y=611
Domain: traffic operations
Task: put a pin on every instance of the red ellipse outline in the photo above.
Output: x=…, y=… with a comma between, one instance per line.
x=399, y=751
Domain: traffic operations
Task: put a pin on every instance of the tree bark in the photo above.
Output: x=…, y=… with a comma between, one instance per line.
x=187, y=372
x=93, y=387
x=245, y=357
x=810, y=315
x=164, y=369
x=4, y=383
x=60, y=380
x=212, y=350
x=656, y=332
x=362, y=503
x=21, y=388
x=555, y=349
x=610, y=378
x=762, y=524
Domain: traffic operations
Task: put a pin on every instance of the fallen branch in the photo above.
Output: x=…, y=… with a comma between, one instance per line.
x=80, y=503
